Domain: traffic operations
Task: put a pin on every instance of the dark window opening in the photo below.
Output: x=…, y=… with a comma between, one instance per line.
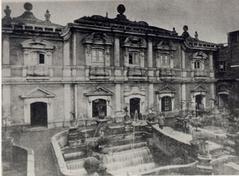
x=222, y=66
x=130, y=58
x=41, y=59
x=166, y=104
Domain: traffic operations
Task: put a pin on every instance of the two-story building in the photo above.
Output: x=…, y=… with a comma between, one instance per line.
x=100, y=65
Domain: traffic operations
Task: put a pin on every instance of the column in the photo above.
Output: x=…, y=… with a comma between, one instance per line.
x=150, y=54
x=67, y=103
x=116, y=52
x=6, y=71
x=66, y=59
x=212, y=87
x=6, y=50
x=74, y=49
x=151, y=96
x=184, y=73
x=117, y=98
x=75, y=100
x=183, y=94
x=211, y=65
x=6, y=101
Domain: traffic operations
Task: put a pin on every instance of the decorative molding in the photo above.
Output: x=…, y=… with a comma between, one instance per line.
x=99, y=91
x=38, y=93
x=37, y=43
x=97, y=38
x=166, y=90
x=165, y=46
x=135, y=42
x=199, y=88
x=200, y=55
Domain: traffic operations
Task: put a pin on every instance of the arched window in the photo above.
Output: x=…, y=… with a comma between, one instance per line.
x=166, y=104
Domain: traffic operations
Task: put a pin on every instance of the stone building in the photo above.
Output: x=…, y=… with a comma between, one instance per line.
x=227, y=73
x=100, y=65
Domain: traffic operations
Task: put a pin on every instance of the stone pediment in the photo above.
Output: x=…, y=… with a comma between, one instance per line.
x=38, y=93
x=165, y=45
x=97, y=38
x=99, y=91
x=199, y=89
x=166, y=89
x=136, y=42
x=37, y=43
x=200, y=55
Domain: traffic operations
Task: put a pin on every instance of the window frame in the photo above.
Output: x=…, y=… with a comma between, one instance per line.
x=98, y=60
x=166, y=104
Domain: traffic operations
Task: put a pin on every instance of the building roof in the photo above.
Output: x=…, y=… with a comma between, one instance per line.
x=28, y=19
x=122, y=23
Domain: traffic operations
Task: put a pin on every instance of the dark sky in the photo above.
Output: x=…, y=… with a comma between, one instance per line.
x=212, y=19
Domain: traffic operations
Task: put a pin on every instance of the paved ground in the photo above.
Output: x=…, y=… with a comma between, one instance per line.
x=39, y=141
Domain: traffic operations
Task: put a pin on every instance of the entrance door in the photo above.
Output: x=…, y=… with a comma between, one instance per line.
x=39, y=114
x=99, y=108
x=223, y=101
x=199, y=104
x=134, y=106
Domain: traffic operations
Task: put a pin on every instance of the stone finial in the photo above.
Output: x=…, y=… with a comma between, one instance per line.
x=47, y=15
x=196, y=35
x=185, y=28
x=7, y=11
x=185, y=33
x=28, y=6
x=121, y=9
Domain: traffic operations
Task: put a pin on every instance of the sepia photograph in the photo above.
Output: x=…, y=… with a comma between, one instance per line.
x=119, y=87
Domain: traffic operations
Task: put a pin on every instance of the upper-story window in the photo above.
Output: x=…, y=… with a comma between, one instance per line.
x=134, y=48
x=41, y=58
x=163, y=60
x=134, y=58
x=164, y=54
x=97, y=55
x=222, y=66
x=37, y=52
x=197, y=65
x=97, y=49
x=198, y=61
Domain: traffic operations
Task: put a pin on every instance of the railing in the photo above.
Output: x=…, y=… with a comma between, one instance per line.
x=37, y=70
x=136, y=73
x=73, y=73
x=166, y=72
x=201, y=73
x=99, y=73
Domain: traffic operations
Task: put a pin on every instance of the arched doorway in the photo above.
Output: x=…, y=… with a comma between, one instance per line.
x=99, y=108
x=134, y=106
x=39, y=114
x=199, y=104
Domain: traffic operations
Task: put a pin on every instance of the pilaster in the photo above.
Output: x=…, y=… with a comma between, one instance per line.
x=151, y=96
x=116, y=52
x=117, y=98
x=67, y=102
x=150, y=54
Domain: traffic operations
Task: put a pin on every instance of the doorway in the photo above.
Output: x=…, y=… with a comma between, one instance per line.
x=199, y=104
x=134, y=106
x=39, y=114
x=99, y=108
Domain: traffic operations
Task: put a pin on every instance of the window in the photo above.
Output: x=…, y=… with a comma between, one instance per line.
x=41, y=59
x=197, y=65
x=222, y=66
x=166, y=104
x=97, y=55
x=163, y=60
x=134, y=58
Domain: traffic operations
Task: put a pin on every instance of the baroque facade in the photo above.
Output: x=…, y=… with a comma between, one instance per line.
x=100, y=65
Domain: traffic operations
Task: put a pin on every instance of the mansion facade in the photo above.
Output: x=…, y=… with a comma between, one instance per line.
x=100, y=65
